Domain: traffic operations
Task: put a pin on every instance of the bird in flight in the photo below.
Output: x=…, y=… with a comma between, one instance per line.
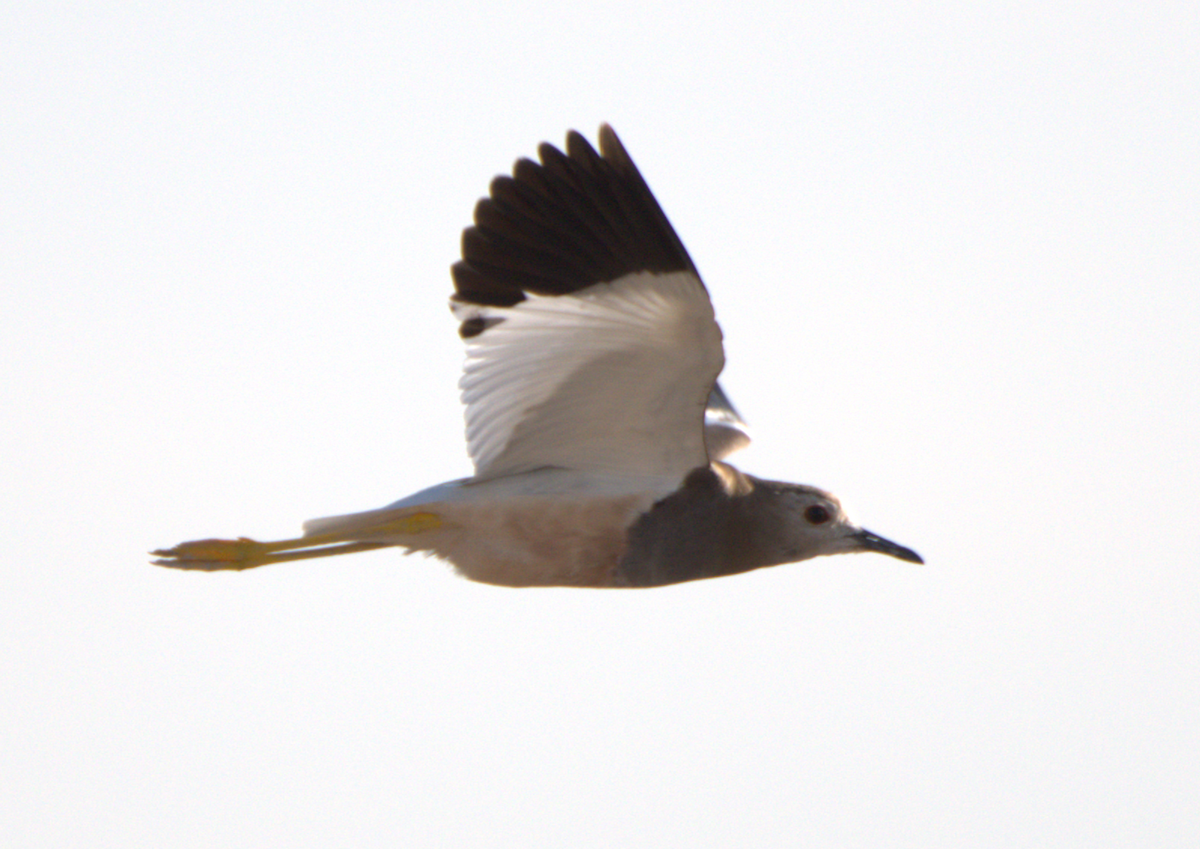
x=595, y=422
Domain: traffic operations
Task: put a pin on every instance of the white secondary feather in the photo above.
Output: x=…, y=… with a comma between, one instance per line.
x=612, y=379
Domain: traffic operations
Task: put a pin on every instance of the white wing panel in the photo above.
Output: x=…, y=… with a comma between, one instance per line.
x=611, y=379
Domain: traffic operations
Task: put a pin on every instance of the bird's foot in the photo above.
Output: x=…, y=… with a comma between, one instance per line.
x=210, y=555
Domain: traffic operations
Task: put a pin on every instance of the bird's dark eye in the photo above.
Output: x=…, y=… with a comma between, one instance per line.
x=816, y=515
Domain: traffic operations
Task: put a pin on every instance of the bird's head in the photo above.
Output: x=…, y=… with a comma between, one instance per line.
x=816, y=524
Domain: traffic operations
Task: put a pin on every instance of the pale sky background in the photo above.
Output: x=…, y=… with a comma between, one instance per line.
x=955, y=250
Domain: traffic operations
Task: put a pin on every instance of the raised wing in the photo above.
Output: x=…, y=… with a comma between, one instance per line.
x=591, y=342
x=724, y=430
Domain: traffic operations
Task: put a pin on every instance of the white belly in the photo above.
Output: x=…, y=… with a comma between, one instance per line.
x=538, y=541
x=547, y=528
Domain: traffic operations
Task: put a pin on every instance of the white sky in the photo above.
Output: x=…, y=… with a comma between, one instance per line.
x=955, y=250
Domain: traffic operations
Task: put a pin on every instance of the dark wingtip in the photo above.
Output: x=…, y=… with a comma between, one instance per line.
x=573, y=220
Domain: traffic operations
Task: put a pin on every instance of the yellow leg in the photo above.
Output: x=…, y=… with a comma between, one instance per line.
x=211, y=555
